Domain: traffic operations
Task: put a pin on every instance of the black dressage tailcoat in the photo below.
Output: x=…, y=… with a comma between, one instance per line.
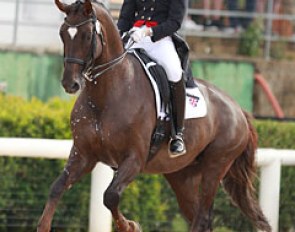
x=168, y=14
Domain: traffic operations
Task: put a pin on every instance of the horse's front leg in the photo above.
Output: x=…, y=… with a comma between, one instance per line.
x=75, y=168
x=126, y=173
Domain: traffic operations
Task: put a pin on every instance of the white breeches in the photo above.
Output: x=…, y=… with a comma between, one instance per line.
x=164, y=52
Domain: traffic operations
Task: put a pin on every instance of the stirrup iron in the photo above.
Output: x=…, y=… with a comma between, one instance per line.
x=177, y=146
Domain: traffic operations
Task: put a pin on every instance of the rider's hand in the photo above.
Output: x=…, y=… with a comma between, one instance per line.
x=139, y=33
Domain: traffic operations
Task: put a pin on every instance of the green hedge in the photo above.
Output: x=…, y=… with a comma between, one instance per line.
x=25, y=182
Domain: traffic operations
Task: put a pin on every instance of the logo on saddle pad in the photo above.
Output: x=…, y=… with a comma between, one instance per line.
x=193, y=101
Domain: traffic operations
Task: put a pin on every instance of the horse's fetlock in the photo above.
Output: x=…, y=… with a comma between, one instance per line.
x=111, y=199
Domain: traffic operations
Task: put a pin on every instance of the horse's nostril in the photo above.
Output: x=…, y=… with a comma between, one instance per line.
x=76, y=86
x=71, y=87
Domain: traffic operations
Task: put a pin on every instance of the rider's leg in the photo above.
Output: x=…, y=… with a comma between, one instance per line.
x=164, y=52
x=177, y=146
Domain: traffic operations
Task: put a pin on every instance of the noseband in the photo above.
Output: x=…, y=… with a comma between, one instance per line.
x=88, y=64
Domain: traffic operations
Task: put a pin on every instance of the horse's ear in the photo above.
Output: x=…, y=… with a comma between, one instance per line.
x=62, y=6
x=87, y=7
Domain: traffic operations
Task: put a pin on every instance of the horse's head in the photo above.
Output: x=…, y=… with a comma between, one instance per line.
x=82, y=38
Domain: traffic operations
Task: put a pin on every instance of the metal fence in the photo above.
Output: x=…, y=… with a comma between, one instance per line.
x=268, y=17
x=35, y=23
x=32, y=23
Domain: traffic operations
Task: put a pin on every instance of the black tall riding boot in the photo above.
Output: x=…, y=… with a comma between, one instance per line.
x=177, y=146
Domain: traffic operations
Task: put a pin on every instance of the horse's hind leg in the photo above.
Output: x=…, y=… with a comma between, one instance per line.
x=195, y=188
x=204, y=217
x=212, y=173
x=126, y=173
x=185, y=184
x=76, y=167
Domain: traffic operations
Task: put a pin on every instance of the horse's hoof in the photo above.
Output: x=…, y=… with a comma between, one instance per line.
x=42, y=229
x=134, y=227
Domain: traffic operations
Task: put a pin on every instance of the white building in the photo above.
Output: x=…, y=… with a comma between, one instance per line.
x=30, y=23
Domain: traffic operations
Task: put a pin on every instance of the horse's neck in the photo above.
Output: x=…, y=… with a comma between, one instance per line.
x=113, y=46
x=102, y=89
x=111, y=87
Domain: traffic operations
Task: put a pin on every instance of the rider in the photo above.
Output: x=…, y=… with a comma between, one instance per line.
x=152, y=23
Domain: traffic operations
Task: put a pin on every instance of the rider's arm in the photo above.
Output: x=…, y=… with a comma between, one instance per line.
x=173, y=22
x=127, y=15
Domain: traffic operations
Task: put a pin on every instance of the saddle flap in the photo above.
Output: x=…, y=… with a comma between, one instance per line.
x=156, y=74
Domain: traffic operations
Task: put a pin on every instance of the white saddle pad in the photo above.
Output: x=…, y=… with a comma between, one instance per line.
x=195, y=105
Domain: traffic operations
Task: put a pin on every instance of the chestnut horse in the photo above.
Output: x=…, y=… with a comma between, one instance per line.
x=113, y=121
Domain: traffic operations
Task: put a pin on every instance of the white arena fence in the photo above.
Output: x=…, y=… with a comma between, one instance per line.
x=99, y=217
x=269, y=160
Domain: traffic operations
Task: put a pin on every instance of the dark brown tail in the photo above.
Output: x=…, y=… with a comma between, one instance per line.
x=238, y=182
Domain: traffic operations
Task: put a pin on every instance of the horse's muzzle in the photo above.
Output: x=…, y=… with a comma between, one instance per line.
x=72, y=85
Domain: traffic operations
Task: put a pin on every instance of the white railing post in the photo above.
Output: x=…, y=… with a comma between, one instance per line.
x=100, y=218
x=270, y=160
x=269, y=196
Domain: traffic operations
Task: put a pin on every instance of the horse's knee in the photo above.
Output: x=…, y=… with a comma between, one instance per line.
x=111, y=199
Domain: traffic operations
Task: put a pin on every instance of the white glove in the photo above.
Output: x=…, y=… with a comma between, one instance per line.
x=138, y=33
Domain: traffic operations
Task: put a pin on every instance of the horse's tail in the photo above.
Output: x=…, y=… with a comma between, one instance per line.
x=238, y=182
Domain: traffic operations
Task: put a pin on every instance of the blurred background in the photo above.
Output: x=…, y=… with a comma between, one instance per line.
x=246, y=47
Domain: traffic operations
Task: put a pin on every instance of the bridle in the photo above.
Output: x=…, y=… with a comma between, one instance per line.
x=88, y=63
x=90, y=57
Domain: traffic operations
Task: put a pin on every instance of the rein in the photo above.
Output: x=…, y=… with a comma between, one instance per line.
x=88, y=69
x=87, y=75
